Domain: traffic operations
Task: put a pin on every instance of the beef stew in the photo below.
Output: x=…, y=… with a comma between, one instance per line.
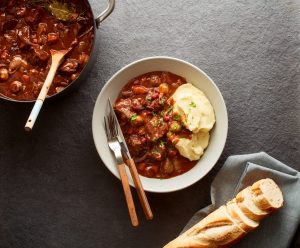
x=29, y=29
x=151, y=130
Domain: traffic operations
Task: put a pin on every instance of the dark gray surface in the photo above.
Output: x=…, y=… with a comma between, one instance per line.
x=54, y=189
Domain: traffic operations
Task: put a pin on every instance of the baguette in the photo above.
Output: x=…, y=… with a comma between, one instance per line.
x=240, y=217
x=232, y=221
x=245, y=201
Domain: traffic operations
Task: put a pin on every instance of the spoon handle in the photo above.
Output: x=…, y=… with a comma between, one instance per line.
x=56, y=59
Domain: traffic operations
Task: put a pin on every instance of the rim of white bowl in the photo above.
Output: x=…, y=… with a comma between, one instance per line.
x=216, y=158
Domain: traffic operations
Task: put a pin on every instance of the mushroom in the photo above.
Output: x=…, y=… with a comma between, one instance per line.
x=15, y=86
x=16, y=63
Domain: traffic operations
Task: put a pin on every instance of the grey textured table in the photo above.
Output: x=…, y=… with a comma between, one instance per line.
x=54, y=189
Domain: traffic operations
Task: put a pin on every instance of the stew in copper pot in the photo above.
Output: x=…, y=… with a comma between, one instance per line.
x=150, y=128
x=28, y=30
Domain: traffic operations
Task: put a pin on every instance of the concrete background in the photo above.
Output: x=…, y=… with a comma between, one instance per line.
x=55, y=190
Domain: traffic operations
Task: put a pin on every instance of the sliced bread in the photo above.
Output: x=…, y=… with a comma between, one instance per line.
x=240, y=217
x=247, y=205
x=267, y=195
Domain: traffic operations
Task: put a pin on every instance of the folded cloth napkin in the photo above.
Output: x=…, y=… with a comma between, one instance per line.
x=240, y=171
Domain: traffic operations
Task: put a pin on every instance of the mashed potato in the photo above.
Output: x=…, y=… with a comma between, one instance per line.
x=194, y=107
x=193, y=148
x=197, y=115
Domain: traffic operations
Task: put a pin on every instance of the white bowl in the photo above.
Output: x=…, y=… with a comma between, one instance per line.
x=193, y=75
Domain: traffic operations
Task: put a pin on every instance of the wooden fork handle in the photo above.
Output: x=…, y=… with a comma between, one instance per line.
x=128, y=195
x=140, y=190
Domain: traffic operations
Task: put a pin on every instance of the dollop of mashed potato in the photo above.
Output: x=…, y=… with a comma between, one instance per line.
x=193, y=148
x=196, y=110
x=197, y=115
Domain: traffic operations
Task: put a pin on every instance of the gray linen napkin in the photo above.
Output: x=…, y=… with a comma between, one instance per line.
x=238, y=172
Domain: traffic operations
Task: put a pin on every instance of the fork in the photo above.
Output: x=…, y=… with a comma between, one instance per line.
x=114, y=145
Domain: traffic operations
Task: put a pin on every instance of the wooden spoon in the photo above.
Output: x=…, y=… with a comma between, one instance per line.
x=57, y=58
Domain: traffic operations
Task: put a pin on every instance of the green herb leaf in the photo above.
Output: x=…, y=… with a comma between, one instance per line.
x=176, y=117
x=148, y=98
x=133, y=117
x=162, y=143
x=63, y=11
x=192, y=104
x=174, y=127
x=162, y=101
x=169, y=109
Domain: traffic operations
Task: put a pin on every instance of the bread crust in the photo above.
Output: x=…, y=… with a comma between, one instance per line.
x=216, y=230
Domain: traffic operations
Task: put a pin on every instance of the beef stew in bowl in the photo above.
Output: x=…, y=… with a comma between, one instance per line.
x=201, y=81
x=149, y=126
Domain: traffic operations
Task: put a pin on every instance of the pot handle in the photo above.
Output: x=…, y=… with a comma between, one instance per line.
x=105, y=13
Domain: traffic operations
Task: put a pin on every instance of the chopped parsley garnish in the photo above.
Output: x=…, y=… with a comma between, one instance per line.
x=162, y=101
x=174, y=127
x=133, y=117
x=162, y=143
x=148, y=98
x=192, y=104
x=169, y=109
x=176, y=117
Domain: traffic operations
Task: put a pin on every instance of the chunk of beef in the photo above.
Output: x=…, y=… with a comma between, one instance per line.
x=136, y=144
x=167, y=167
x=154, y=105
x=155, y=80
x=158, y=152
x=123, y=107
x=20, y=11
x=16, y=87
x=156, y=128
x=40, y=54
x=24, y=35
x=33, y=15
x=138, y=104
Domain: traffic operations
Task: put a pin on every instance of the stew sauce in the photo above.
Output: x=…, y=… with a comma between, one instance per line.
x=149, y=125
x=28, y=30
